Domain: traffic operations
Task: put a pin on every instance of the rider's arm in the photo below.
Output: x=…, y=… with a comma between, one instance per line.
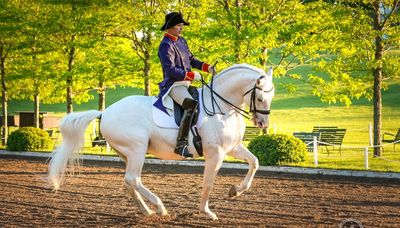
x=166, y=53
x=196, y=63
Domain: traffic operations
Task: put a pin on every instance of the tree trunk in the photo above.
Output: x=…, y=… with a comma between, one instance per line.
x=102, y=103
x=102, y=96
x=147, y=66
x=71, y=58
x=377, y=71
x=263, y=58
x=36, y=113
x=147, y=76
x=238, y=41
x=4, y=97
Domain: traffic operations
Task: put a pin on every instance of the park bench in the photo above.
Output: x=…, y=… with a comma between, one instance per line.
x=98, y=140
x=330, y=136
x=54, y=134
x=394, y=138
x=251, y=132
x=307, y=138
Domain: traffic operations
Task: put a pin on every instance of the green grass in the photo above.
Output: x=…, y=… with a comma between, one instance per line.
x=356, y=120
x=298, y=111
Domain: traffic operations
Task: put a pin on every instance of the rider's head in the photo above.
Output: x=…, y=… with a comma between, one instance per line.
x=176, y=30
x=174, y=23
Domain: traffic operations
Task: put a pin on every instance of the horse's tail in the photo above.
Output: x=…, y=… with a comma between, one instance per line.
x=72, y=128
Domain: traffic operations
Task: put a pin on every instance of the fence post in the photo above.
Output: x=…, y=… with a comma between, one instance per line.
x=371, y=142
x=108, y=147
x=366, y=157
x=274, y=128
x=315, y=150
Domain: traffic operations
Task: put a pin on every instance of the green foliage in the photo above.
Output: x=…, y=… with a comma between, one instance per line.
x=29, y=138
x=116, y=43
x=277, y=149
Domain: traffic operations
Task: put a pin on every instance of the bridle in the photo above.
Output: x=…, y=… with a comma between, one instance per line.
x=253, y=109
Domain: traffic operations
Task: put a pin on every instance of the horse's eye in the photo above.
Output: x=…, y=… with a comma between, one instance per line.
x=259, y=99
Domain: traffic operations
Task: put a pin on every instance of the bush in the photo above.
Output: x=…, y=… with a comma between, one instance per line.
x=277, y=149
x=29, y=138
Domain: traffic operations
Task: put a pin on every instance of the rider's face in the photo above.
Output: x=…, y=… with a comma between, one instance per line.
x=176, y=30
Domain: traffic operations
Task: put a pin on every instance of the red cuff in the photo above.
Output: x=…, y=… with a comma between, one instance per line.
x=189, y=76
x=205, y=67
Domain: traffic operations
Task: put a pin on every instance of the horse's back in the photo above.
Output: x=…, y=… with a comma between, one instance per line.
x=127, y=118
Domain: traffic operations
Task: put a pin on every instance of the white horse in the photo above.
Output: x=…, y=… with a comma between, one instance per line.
x=128, y=126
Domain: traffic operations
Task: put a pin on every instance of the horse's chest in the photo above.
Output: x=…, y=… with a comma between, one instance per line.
x=224, y=131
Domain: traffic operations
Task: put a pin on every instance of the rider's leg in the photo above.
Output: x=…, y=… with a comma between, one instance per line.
x=180, y=95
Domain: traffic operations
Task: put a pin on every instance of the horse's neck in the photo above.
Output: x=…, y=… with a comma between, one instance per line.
x=232, y=88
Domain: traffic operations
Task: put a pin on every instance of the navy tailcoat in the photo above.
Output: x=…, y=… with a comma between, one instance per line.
x=176, y=61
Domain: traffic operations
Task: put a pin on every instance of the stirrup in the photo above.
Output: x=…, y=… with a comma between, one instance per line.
x=184, y=152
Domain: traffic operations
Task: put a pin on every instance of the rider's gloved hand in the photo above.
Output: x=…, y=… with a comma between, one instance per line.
x=212, y=70
x=197, y=76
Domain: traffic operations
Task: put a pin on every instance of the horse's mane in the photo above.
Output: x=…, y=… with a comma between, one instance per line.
x=238, y=66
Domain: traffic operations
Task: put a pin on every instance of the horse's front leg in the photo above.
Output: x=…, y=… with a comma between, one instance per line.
x=212, y=164
x=241, y=152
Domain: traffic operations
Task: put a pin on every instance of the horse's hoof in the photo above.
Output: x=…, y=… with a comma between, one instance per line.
x=213, y=216
x=209, y=214
x=233, y=192
x=162, y=213
x=149, y=213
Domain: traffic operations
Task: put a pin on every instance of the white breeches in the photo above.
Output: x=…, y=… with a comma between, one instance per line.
x=179, y=93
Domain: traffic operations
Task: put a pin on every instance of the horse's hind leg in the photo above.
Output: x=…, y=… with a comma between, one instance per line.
x=241, y=152
x=134, y=165
x=140, y=202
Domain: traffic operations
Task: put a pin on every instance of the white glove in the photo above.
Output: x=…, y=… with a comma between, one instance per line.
x=197, y=76
x=212, y=70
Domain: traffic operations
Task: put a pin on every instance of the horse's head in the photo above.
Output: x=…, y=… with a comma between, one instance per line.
x=260, y=100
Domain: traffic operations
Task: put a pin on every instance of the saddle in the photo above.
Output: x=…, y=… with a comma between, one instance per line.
x=163, y=120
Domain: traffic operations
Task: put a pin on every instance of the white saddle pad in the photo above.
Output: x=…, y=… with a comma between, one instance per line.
x=163, y=120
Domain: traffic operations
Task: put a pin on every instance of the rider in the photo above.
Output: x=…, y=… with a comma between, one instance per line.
x=177, y=60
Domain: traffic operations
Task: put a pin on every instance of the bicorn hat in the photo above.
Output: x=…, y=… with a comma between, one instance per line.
x=173, y=19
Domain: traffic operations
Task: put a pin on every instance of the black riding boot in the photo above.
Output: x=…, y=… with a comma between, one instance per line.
x=189, y=106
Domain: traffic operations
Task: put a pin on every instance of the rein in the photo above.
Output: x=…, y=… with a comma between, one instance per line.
x=253, y=110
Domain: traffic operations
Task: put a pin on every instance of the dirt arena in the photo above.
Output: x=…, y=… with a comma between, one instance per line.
x=97, y=197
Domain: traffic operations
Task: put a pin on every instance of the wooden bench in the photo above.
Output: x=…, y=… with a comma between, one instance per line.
x=54, y=134
x=330, y=135
x=307, y=138
x=251, y=132
x=98, y=140
x=394, y=138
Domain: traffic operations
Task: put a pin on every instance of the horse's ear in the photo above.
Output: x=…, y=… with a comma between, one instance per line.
x=270, y=71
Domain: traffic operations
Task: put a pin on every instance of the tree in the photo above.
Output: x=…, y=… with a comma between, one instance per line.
x=110, y=62
x=74, y=22
x=274, y=33
x=140, y=22
x=10, y=20
x=33, y=66
x=361, y=64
